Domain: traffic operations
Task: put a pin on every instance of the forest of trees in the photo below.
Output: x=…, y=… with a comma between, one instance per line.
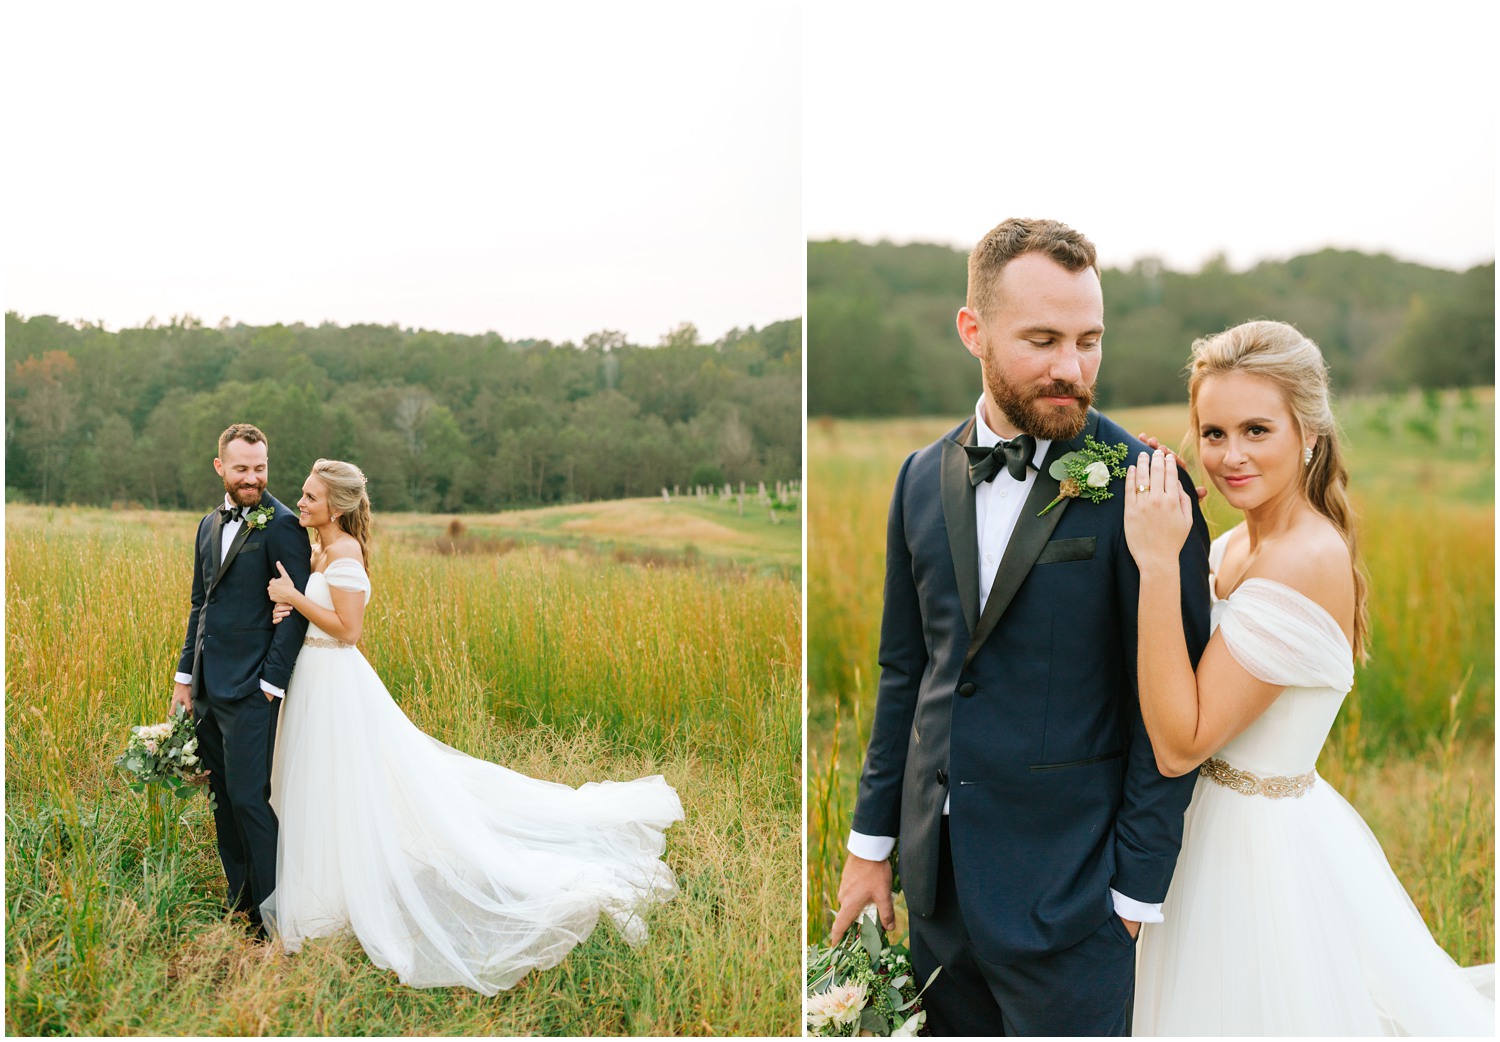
x=438, y=421
x=881, y=338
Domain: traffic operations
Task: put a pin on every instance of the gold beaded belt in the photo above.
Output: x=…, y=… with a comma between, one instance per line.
x=324, y=642
x=1247, y=784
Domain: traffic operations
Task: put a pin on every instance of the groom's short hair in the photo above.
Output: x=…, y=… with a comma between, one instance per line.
x=241, y=432
x=1015, y=236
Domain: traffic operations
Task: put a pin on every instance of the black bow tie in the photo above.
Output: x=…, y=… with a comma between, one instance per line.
x=228, y=514
x=1014, y=456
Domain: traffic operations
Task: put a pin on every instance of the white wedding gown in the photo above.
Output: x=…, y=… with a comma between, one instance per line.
x=1283, y=917
x=450, y=870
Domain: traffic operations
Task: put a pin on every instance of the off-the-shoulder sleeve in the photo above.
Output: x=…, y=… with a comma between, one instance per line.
x=1283, y=637
x=347, y=574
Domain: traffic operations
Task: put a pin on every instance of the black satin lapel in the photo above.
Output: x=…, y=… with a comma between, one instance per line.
x=215, y=540
x=234, y=548
x=958, y=518
x=1029, y=537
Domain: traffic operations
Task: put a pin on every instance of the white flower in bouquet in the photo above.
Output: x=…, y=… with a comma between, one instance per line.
x=911, y=1026
x=838, y=1006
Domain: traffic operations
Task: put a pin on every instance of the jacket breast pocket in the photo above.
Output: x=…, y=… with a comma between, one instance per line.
x=248, y=547
x=1076, y=763
x=1059, y=550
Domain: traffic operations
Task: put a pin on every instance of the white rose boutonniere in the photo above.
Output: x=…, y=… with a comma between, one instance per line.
x=259, y=517
x=1087, y=472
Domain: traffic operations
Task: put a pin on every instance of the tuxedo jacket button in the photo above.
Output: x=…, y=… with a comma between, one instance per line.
x=942, y=776
x=966, y=690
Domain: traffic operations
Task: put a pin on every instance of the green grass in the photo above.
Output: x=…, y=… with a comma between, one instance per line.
x=1413, y=748
x=563, y=665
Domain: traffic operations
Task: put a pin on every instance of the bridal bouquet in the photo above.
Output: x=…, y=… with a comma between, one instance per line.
x=863, y=985
x=164, y=754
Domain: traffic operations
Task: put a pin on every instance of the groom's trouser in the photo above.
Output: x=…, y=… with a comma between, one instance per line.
x=236, y=741
x=1083, y=990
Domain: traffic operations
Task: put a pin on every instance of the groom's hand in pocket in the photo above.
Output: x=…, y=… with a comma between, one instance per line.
x=864, y=883
x=1131, y=926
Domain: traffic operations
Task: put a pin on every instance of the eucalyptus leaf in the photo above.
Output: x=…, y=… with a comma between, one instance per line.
x=874, y=1022
x=893, y=998
x=184, y=793
x=1059, y=468
x=869, y=936
x=900, y=982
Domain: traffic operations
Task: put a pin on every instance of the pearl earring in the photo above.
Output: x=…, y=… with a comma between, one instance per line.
x=1307, y=456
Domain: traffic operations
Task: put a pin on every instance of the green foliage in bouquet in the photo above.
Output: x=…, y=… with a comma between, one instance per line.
x=863, y=985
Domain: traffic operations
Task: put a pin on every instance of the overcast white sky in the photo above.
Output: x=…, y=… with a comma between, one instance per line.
x=540, y=170
x=553, y=170
x=1181, y=130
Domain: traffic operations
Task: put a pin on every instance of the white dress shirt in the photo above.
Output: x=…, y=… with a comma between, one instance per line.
x=226, y=538
x=997, y=508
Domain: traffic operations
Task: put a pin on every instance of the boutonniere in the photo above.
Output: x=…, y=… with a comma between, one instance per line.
x=258, y=517
x=1087, y=472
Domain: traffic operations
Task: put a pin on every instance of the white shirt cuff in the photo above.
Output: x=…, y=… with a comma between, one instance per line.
x=878, y=848
x=268, y=689
x=1135, y=911
x=183, y=678
x=871, y=848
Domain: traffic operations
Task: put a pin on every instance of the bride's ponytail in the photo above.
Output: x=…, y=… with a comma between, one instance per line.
x=1281, y=354
x=348, y=499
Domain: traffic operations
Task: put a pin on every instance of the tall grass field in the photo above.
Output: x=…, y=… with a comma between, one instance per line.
x=636, y=638
x=1413, y=749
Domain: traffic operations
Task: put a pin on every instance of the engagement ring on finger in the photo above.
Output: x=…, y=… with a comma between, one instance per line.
x=1143, y=488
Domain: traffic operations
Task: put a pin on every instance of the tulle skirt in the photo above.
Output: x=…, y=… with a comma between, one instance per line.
x=450, y=870
x=1284, y=918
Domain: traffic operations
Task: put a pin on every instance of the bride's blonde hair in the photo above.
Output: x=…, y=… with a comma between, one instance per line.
x=1279, y=353
x=348, y=499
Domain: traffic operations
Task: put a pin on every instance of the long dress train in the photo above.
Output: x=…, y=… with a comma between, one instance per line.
x=1284, y=917
x=450, y=870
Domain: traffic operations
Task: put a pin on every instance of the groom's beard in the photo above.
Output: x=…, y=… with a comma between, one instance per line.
x=1042, y=420
x=245, y=494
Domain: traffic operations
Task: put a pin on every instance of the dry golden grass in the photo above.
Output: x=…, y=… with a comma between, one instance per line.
x=558, y=663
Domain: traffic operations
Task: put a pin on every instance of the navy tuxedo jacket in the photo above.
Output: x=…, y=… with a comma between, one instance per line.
x=231, y=644
x=1026, y=715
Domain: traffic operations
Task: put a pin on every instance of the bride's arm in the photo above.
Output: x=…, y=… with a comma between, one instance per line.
x=1185, y=728
x=344, y=621
x=1188, y=715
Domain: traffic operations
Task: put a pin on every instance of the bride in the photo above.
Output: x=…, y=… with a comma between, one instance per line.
x=1283, y=917
x=449, y=870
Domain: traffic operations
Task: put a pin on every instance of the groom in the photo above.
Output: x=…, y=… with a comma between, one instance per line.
x=235, y=665
x=1007, y=750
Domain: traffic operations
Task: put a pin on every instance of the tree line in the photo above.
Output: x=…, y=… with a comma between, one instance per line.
x=881, y=337
x=438, y=421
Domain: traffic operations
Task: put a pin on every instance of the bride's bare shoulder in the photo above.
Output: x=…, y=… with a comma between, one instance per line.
x=1313, y=559
x=345, y=548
